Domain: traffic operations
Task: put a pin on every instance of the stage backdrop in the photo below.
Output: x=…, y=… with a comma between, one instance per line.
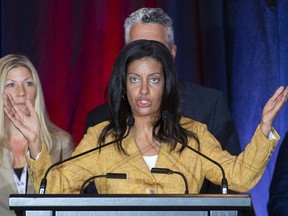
x=239, y=47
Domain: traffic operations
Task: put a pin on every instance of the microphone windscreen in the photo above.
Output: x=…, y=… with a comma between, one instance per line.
x=116, y=175
x=131, y=121
x=165, y=115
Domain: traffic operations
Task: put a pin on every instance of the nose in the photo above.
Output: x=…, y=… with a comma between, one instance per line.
x=144, y=88
x=20, y=91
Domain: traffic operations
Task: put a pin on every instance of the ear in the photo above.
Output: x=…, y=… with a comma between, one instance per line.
x=173, y=51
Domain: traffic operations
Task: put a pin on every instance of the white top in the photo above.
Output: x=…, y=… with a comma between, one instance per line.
x=150, y=161
x=21, y=184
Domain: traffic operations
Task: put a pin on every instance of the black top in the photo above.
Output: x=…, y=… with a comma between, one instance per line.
x=18, y=172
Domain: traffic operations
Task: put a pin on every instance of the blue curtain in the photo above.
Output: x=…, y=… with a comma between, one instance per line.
x=241, y=48
x=259, y=66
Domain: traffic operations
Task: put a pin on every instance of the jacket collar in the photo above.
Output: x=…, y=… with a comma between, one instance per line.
x=166, y=158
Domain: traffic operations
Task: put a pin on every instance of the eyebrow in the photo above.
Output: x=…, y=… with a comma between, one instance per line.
x=24, y=79
x=155, y=73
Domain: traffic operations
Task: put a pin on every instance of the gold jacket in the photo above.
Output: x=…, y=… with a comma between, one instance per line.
x=242, y=172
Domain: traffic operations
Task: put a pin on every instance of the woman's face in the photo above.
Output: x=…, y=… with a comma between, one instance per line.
x=145, y=84
x=20, y=84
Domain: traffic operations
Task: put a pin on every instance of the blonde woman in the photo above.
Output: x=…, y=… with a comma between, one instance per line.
x=19, y=78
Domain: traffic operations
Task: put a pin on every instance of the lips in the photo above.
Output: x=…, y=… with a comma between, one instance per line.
x=143, y=102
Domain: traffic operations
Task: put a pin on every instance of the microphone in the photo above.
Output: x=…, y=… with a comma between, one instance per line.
x=224, y=183
x=108, y=175
x=168, y=171
x=130, y=123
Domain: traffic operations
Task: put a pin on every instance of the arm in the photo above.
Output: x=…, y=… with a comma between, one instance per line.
x=69, y=176
x=243, y=171
x=257, y=153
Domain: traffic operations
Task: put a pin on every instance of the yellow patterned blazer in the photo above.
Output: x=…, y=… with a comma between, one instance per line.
x=242, y=172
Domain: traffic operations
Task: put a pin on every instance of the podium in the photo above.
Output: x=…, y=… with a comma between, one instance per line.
x=128, y=205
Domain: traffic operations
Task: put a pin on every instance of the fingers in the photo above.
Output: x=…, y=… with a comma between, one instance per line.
x=277, y=93
x=282, y=93
x=286, y=94
x=17, y=113
x=30, y=107
x=272, y=108
x=281, y=98
x=274, y=105
x=11, y=109
x=8, y=108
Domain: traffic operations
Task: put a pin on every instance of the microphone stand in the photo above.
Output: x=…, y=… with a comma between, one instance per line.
x=168, y=171
x=224, y=183
x=108, y=175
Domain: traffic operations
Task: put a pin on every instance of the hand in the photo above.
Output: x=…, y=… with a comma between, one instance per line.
x=271, y=109
x=27, y=124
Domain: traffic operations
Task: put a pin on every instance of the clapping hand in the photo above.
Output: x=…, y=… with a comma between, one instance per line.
x=272, y=108
x=27, y=124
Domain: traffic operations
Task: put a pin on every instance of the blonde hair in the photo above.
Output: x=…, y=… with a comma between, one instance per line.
x=7, y=63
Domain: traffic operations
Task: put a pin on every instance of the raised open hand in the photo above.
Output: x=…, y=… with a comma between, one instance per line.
x=272, y=108
x=27, y=124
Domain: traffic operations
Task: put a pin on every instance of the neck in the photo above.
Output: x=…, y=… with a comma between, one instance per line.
x=145, y=122
x=143, y=134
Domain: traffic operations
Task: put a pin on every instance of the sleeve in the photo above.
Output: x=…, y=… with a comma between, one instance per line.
x=242, y=171
x=38, y=167
x=69, y=176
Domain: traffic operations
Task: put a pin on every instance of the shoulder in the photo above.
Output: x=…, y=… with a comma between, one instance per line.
x=99, y=110
x=95, y=131
x=60, y=136
x=199, y=98
x=204, y=104
x=97, y=115
x=98, y=127
x=192, y=125
x=91, y=138
x=63, y=144
x=196, y=90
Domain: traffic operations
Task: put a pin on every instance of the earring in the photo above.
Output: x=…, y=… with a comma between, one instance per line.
x=123, y=97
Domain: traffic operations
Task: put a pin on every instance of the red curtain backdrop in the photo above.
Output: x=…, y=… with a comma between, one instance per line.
x=73, y=45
